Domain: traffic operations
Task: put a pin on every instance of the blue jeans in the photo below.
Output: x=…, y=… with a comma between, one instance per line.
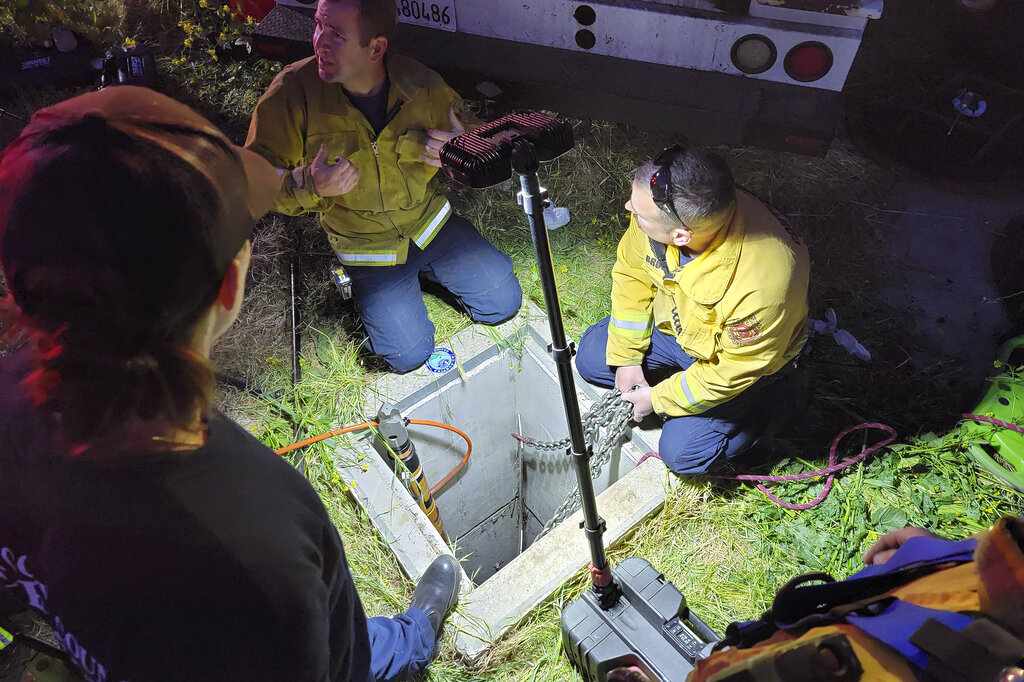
x=390, y=302
x=400, y=646
x=693, y=444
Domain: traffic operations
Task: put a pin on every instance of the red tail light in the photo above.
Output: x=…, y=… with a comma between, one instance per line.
x=808, y=61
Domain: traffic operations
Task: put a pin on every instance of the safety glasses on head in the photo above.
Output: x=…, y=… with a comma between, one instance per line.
x=661, y=181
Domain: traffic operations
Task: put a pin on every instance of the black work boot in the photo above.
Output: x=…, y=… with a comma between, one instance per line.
x=438, y=590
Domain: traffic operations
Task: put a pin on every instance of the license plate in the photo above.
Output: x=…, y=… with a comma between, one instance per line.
x=433, y=13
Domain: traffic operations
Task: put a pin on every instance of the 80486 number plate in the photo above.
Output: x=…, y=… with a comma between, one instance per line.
x=433, y=13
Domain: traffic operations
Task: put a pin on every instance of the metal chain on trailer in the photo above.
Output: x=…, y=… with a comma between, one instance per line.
x=604, y=425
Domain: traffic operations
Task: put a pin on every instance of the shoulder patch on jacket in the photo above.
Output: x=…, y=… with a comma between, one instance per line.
x=744, y=331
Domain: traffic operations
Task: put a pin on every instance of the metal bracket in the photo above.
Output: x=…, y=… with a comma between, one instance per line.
x=527, y=205
x=563, y=354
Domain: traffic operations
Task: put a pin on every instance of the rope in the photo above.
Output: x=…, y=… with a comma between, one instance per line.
x=829, y=471
x=833, y=467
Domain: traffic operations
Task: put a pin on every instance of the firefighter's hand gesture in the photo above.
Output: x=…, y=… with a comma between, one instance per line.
x=436, y=139
x=332, y=179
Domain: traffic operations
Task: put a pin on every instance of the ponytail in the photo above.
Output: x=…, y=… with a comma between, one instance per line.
x=93, y=386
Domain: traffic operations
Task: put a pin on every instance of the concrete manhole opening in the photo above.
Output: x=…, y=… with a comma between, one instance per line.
x=494, y=509
x=498, y=504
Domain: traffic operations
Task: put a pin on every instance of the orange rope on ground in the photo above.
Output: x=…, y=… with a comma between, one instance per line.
x=435, y=489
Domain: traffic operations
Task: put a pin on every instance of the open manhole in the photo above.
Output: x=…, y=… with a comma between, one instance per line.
x=495, y=508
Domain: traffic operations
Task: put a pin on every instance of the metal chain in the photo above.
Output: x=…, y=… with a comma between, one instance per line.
x=604, y=413
x=610, y=415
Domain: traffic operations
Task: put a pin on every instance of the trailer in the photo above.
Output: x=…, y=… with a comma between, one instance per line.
x=767, y=73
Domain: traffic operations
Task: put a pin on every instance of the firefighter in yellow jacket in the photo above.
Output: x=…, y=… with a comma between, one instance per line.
x=709, y=312
x=356, y=132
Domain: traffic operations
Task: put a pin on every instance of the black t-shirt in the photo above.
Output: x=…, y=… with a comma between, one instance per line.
x=215, y=564
x=374, y=107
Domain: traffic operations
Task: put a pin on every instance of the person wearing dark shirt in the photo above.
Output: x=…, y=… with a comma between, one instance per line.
x=160, y=540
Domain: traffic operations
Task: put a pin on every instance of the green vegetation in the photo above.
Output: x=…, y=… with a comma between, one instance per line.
x=725, y=545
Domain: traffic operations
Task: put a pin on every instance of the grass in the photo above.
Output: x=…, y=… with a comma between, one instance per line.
x=724, y=545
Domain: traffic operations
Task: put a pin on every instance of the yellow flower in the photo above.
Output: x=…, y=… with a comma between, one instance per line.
x=249, y=20
x=129, y=42
x=188, y=42
x=213, y=53
x=223, y=36
x=225, y=8
x=204, y=4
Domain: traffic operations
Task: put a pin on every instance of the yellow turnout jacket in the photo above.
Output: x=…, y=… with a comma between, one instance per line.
x=397, y=197
x=739, y=308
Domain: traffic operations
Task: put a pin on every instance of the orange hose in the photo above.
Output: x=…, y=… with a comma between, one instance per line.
x=435, y=489
x=324, y=436
x=439, y=486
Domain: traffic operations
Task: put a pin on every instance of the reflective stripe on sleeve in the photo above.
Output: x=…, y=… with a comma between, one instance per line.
x=689, y=394
x=631, y=328
x=427, y=233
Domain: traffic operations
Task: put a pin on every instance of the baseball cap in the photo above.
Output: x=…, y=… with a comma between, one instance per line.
x=43, y=201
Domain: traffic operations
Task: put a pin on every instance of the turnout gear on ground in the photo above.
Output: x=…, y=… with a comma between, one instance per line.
x=739, y=308
x=397, y=198
x=937, y=610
